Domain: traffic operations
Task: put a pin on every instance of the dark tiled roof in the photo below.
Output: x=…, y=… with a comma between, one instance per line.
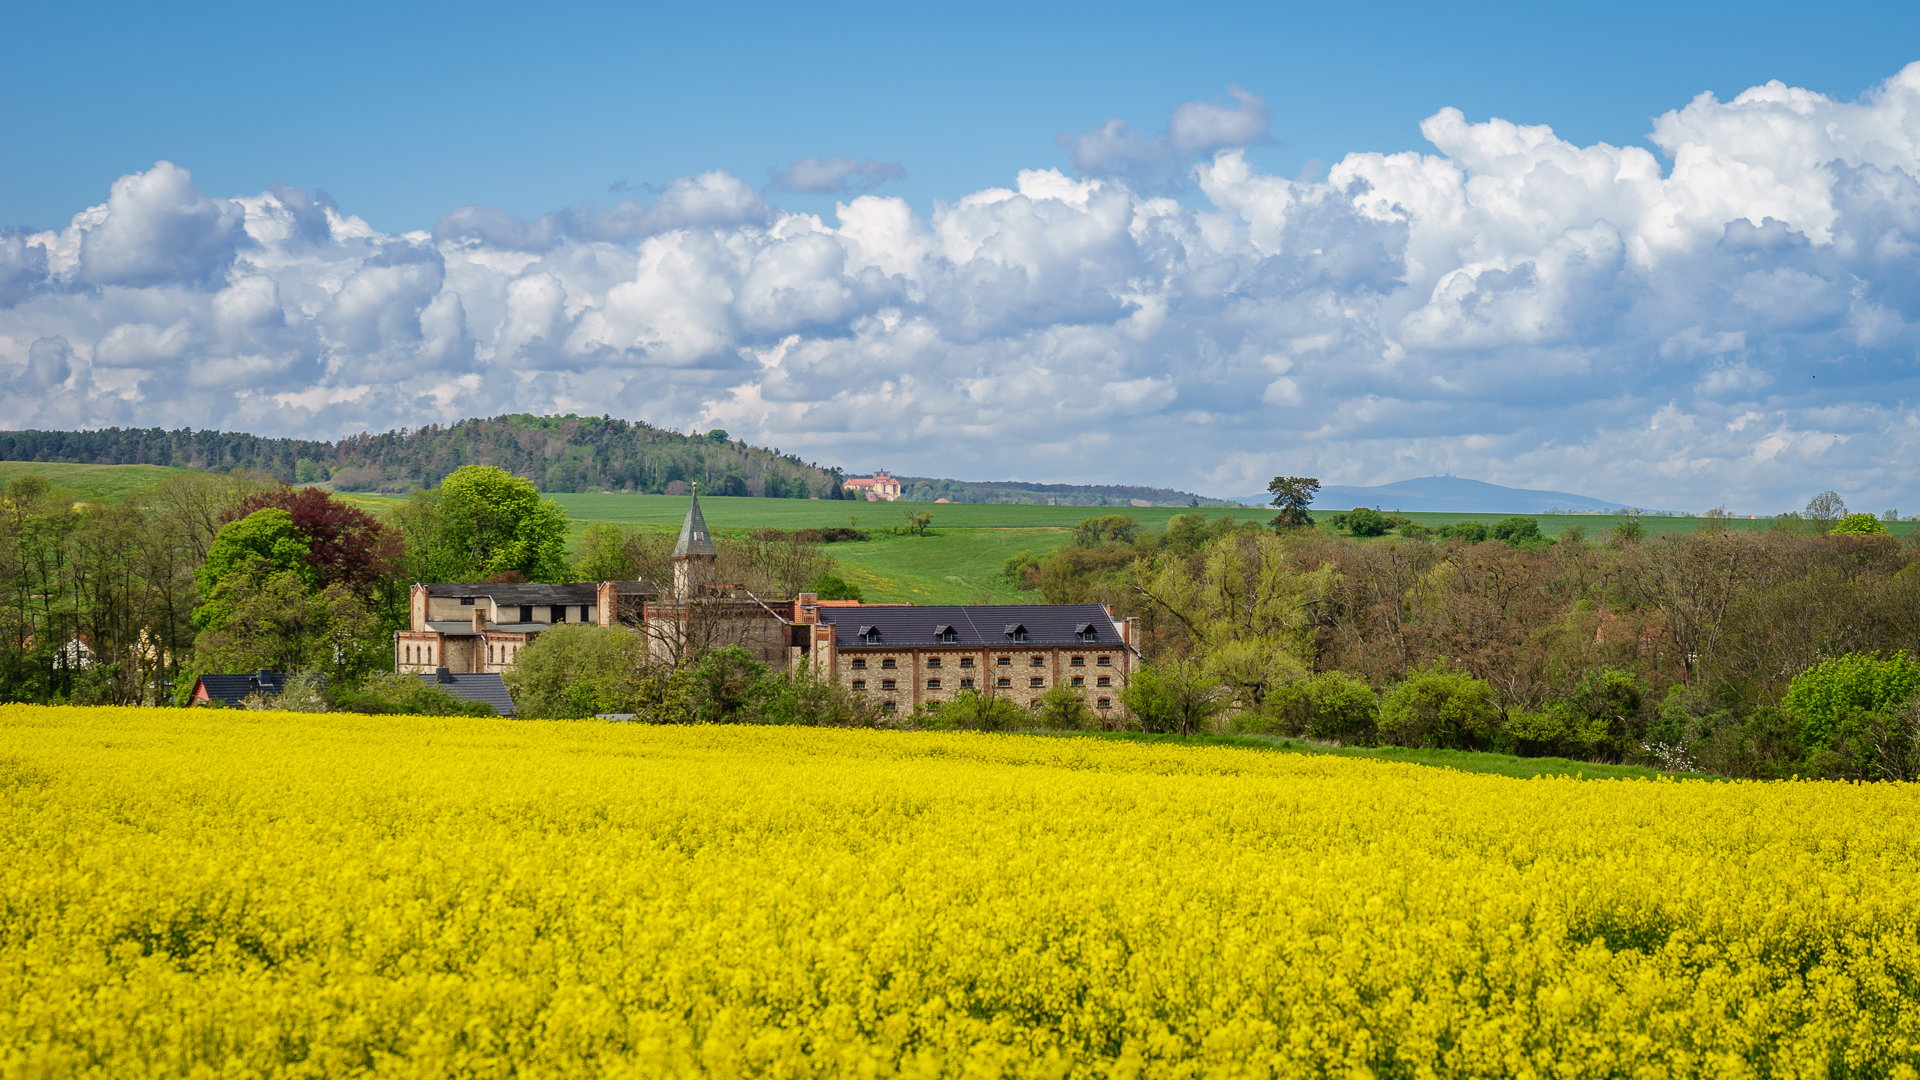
x=232, y=688
x=577, y=593
x=906, y=627
x=484, y=686
x=456, y=628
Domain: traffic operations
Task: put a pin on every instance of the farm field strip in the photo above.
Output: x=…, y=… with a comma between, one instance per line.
x=230, y=894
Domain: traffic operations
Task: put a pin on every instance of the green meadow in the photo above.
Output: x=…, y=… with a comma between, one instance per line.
x=91, y=483
x=958, y=562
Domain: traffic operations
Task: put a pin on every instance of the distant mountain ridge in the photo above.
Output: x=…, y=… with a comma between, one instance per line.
x=930, y=489
x=1454, y=495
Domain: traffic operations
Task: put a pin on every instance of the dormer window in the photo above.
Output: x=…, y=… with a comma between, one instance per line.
x=1086, y=632
x=946, y=635
x=1016, y=632
x=870, y=635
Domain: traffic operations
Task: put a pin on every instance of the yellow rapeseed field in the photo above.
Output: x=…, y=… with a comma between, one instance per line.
x=233, y=894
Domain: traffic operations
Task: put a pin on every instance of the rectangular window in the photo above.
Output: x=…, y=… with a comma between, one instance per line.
x=1038, y=661
x=933, y=684
x=888, y=663
x=1104, y=680
x=1104, y=703
x=966, y=661
x=1079, y=680
x=886, y=684
x=1005, y=661
x=1078, y=661
x=859, y=684
x=466, y=601
x=1104, y=661
x=859, y=665
x=1036, y=681
x=933, y=662
x=1004, y=683
x=887, y=706
x=526, y=612
x=966, y=684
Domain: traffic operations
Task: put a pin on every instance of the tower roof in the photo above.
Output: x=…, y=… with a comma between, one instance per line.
x=693, y=534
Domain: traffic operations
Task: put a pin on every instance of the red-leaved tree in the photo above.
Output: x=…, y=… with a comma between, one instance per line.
x=345, y=544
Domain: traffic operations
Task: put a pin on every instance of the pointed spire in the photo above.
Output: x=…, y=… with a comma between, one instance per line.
x=693, y=534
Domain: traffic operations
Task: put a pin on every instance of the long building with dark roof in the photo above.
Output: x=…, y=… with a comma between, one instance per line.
x=906, y=657
x=899, y=656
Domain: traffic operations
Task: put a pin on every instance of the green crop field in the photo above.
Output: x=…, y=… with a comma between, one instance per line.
x=91, y=483
x=959, y=562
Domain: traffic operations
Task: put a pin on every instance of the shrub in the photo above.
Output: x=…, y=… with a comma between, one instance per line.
x=968, y=711
x=1331, y=705
x=1828, y=695
x=729, y=684
x=1473, y=532
x=1555, y=731
x=1413, y=530
x=1438, y=708
x=1061, y=709
x=1516, y=530
x=812, y=701
x=1172, y=698
x=1361, y=521
x=1860, y=525
x=577, y=670
x=833, y=587
x=398, y=693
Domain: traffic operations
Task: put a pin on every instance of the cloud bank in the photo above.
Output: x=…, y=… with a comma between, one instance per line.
x=1729, y=320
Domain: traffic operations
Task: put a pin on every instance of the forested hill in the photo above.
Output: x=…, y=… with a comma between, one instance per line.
x=559, y=453
x=928, y=489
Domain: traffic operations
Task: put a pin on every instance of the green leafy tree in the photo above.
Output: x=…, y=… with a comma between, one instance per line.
x=1364, y=521
x=578, y=670
x=969, y=711
x=1473, y=532
x=807, y=699
x=1825, y=696
x=1292, y=495
x=1330, y=705
x=603, y=554
x=483, y=523
x=502, y=525
x=1174, y=698
x=1860, y=525
x=1439, y=708
x=729, y=684
x=1517, y=531
x=404, y=694
x=1825, y=509
x=833, y=587
x=1061, y=709
x=268, y=535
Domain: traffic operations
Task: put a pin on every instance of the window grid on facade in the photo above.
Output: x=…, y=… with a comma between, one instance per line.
x=886, y=684
x=859, y=684
x=1104, y=680
x=1079, y=680
x=1104, y=661
x=1104, y=703
x=1038, y=661
x=933, y=684
x=1004, y=683
x=1005, y=661
x=966, y=661
x=859, y=665
x=1078, y=661
x=933, y=661
x=1036, y=681
x=888, y=664
x=966, y=684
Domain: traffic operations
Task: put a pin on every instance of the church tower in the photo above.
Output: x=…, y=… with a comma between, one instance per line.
x=693, y=556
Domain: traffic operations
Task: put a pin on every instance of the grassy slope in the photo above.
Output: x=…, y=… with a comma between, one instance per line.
x=91, y=483
x=1463, y=760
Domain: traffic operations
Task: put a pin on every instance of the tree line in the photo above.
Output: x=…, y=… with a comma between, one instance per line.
x=127, y=603
x=1689, y=651
x=558, y=453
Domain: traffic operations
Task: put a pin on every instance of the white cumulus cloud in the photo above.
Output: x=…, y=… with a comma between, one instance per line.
x=1725, y=317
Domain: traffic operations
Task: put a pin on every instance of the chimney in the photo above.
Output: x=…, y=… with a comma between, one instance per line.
x=479, y=619
x=806, y=609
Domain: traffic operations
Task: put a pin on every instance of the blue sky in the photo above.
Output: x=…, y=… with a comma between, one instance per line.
x=1099, y=243
x=400, y=111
